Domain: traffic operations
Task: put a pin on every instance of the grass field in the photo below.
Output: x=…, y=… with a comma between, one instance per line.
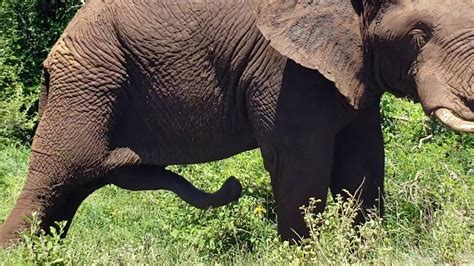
x=429, y=217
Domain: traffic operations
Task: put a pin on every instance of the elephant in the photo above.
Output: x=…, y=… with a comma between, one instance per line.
x=132, y=87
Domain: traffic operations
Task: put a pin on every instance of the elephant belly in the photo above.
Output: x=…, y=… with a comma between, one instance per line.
x=183, y=121
x=190, y=118
x=219, y=148
x=172, y=140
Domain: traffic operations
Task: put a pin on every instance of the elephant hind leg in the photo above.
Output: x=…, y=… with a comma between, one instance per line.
x=65, y=168
x=142, y=177
x=54, y=198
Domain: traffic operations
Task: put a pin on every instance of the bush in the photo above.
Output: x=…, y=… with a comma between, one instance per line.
x=28, y=29
x=335, y=240
x=16, y=124
x=42, y=248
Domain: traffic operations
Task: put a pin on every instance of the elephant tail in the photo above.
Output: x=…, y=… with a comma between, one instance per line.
x=229, y=192
x=141, y=177
x=43, y=97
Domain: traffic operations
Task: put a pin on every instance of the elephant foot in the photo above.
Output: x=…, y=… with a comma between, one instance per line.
x=7, y=239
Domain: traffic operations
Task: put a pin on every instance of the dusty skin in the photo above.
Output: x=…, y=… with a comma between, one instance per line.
x=134, y=86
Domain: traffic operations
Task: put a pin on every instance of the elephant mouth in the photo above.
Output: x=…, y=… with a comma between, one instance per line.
x=452, y=120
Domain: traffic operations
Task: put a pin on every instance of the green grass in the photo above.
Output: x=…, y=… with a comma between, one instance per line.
x=429, y=217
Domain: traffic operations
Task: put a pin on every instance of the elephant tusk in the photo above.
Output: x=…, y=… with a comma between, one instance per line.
x=449, y=119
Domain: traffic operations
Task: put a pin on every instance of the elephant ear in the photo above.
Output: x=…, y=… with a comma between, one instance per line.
x=321, y=35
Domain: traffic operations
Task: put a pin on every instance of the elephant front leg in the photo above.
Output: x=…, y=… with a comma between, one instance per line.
x=359, y=163
x=298, y=173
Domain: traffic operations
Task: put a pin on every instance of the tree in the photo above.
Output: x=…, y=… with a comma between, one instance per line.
x=28, y=28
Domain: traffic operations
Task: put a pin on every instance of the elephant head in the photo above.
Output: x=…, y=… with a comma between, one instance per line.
x=422, y=49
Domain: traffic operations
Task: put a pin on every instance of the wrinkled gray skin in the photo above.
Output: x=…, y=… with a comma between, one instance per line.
x=134, y=86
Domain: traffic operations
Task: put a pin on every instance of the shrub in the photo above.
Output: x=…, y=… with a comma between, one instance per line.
x=28, y=29
x=335, y=240
x=16, y=124
x=41, y=248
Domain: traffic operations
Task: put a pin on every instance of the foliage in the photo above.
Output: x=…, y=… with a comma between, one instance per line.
x=42, y=248
x=335, y=240
x=15, y=121
x=28, y=28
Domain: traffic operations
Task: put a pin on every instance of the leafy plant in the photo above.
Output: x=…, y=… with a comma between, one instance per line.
x=15, y=122
x=335, y=240
x=42, y=248
x=28, y=29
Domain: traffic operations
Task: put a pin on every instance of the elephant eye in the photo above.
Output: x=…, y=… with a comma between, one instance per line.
x=419, y=37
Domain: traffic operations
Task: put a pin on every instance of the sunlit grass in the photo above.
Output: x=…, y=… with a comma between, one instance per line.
x=429, y=217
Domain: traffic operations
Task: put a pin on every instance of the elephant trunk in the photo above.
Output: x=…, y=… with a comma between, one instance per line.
x=450, y=103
